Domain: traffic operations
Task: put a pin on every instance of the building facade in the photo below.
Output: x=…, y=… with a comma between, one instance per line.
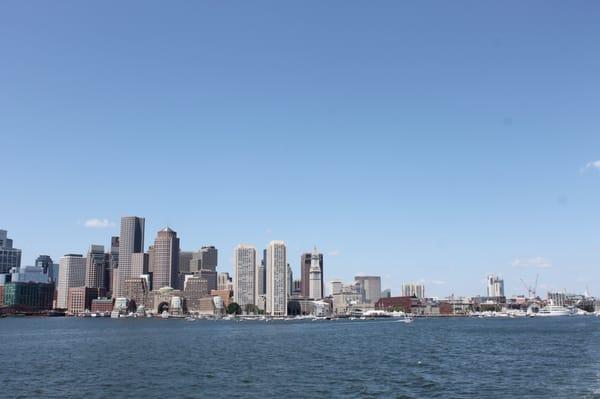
x=315, y=280
x=71, y=274
x=305, y=265
x=131, y=240
x=277, y=279
x=370, y=288
x=245, y=275
x=9, y=257
x=96, y=265
x=495, y=286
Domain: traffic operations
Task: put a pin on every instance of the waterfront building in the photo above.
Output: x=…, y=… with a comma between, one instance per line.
x=96, y=265
x=165, y=262
x=305, y=265
x=370, y=287
x=276, y=279
x=345, y=301
x=315, y=280
x=162, y=299
x=103, y=305
x=131, y=240
x=184, y=261
x=245, y=275
x=495, y=286
x=194, y=289
x=71, y=275
x=28, y=296
x=387, y=293
x=225, y=296
x=79, y=299
x=9, y=257
x=136, y=289
x=412, y=289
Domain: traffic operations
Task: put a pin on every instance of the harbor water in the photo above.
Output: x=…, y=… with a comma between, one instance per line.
x=556, y=357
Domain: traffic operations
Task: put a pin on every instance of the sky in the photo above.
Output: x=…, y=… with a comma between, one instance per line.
x=432, y=141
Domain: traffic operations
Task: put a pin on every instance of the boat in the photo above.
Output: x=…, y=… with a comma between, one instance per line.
x=115, y=314
x=164, y=314
x=406, y=320
x=553, y=310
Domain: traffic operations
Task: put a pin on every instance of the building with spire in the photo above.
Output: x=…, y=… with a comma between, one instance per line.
x=305, y=264
x=315, y=277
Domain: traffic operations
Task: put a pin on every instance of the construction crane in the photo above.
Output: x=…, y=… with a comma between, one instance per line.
x=531, y=290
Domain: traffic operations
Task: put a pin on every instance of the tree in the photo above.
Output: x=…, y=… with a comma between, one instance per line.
x=251, y=308
x=234, y=308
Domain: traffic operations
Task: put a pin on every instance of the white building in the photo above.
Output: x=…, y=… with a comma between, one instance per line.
x=245, y=275
x=495, y=286
x=416, y=290
x=315, y=290
x=370, y=287
x=71, y=273
x=277, y=279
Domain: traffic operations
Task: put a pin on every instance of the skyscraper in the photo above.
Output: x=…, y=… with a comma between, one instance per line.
x=71, y=274
x=96, y=264
x=370, y=287
x=184, y=261
x=276, y=279
x=315, y=280
x=204, y=264
x=165, y=262
x=9, y=257
x=495, y=286
x=245, y=275
x=131, y=240
x=113, y=262
x=305, y=264
x=50, y=268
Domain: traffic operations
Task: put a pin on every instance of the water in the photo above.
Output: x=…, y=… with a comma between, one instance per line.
x=430, y=358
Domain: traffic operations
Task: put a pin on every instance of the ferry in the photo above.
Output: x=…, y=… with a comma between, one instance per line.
x=553, y=310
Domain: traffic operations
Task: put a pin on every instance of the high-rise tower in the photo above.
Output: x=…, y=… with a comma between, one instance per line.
x=131, y=241
x=165, y=261
x=316, y=290
x=277, y=279
x=245, y=275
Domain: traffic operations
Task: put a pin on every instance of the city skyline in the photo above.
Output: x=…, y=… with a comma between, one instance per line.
x=440, y=155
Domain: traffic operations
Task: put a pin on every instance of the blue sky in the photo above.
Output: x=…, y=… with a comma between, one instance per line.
x=421, y=141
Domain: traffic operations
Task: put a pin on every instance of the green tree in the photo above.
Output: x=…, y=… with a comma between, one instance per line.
x=234, y=308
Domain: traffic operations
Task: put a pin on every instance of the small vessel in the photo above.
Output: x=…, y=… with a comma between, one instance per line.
x=115, y=314
x=406, y=320
x=164, y=314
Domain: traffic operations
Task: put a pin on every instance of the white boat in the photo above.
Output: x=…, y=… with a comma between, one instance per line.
x=164, y=314
x=115, y=314
x=553, y=310
x=406, y=320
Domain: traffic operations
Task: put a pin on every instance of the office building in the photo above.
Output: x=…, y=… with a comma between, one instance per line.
x=165, y=261
x=495, y=286
x=205, y=259
x=315, y=280
x=28, y=296
x=306, y=260
x=277, y=283
x=245, y=275
x=113, y=263
x=131, y=240
x=137, y=291
x=96, y=264
x=184, y=261
x=415, y=290
x=224, y=281
x=140, y=263
x=370, y=287
x=261, y=278
x=79, y=299
x=9, y=257
x=71, y=275
x=194, y=290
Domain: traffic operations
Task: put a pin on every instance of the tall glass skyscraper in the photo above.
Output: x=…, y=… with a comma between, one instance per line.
x=9, y=257
x=131, y=240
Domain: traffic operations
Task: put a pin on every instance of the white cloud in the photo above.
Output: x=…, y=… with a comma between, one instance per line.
x=335, y=252
x=96, y=223
x=438, y=282
x=536, y=262
x=591, y=165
